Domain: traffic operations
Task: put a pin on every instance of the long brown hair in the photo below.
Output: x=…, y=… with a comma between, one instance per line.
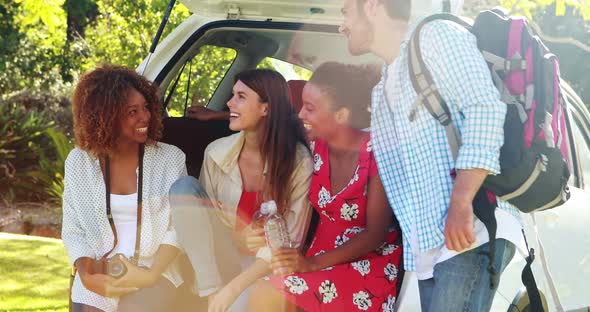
x=283, y=131
x=99, y=102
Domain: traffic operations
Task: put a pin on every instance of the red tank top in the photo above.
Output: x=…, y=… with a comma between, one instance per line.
x=247, y=206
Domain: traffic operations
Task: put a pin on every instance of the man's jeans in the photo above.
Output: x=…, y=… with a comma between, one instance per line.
x=462, y=283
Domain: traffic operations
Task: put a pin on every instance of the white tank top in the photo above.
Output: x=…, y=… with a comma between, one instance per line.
x=124, y=210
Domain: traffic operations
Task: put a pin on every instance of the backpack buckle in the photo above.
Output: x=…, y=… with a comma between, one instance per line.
x=514, y=64
x=443, y=118
x=531, y=256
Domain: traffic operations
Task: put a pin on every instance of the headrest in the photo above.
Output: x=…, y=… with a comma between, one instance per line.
x=295, y=91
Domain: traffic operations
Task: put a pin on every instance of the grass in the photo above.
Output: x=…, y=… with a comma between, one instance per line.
x=34, y=274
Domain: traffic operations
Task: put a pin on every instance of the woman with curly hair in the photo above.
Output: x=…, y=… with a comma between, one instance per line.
x=267, y=159
x=116, y=214
x=353, y=261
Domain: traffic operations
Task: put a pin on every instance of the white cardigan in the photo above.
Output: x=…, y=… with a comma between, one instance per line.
x=86, y=231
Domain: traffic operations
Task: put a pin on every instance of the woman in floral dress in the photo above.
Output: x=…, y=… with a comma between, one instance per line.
x=353, y=261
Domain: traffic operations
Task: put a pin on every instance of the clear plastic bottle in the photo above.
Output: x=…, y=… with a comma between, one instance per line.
x=259, y=218
x=275, y=228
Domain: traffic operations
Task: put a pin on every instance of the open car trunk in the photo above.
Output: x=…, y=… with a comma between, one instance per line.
x=328, y=11
x=307, y=11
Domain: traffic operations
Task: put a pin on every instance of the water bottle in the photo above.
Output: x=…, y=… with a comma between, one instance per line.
x=259, y=218
x=275, y=228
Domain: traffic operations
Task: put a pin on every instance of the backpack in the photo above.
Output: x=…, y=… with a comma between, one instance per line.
x=534, y=160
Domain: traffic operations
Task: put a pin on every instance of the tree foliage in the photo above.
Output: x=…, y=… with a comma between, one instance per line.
x=46, y=44
x=123, y=30
x=530, y=8
x=47, y=14
x=32, y=38
x=199, y=78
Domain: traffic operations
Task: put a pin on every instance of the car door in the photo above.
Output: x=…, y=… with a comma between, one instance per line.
x=565, y=230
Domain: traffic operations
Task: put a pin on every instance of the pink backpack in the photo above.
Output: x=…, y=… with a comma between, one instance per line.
x=534, y=159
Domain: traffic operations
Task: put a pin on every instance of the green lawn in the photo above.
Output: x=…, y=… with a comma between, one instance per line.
x=34, y=274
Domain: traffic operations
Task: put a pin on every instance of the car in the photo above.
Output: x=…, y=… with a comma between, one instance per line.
x=223, y=37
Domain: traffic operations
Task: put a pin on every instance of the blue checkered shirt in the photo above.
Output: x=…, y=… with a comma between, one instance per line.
x=414, y=158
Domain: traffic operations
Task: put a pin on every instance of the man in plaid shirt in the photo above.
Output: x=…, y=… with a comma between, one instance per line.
x=443, y=240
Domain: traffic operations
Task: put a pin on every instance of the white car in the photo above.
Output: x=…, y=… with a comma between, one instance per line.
x=297, y=36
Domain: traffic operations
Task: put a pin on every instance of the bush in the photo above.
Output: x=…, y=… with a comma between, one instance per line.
x=21, y=138
x=54, y=108
x=32, y=148
x=51, y=173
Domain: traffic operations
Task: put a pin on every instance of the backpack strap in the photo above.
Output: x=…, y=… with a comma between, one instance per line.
x=528, y=278
x=428, y=93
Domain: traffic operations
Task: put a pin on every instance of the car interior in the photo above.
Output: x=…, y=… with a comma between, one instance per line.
x=304, y=46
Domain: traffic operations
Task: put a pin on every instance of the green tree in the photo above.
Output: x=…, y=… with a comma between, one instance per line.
x=32, y=37
x=80, y=13
x=123, y=30
x=46, y=44
x=531, y=8
x=199, y=78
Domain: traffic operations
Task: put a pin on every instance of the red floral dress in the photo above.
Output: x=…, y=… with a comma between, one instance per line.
x=367, y=284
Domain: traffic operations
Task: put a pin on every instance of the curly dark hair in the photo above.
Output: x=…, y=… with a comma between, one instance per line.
x=99, y=102
x=348, y=86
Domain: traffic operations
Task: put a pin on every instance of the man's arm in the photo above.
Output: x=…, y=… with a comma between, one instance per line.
x=459, y=70
x=459, y=225
x=204, y=114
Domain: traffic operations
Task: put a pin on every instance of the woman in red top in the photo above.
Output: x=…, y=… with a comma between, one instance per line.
x=267, y=159
x=353, y=261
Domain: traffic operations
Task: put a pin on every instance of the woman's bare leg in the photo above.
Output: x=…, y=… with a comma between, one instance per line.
x=265, y=297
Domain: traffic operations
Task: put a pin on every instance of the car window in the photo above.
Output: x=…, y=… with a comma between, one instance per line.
x=582, y=144
x=288, y=70
x=198, y=78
